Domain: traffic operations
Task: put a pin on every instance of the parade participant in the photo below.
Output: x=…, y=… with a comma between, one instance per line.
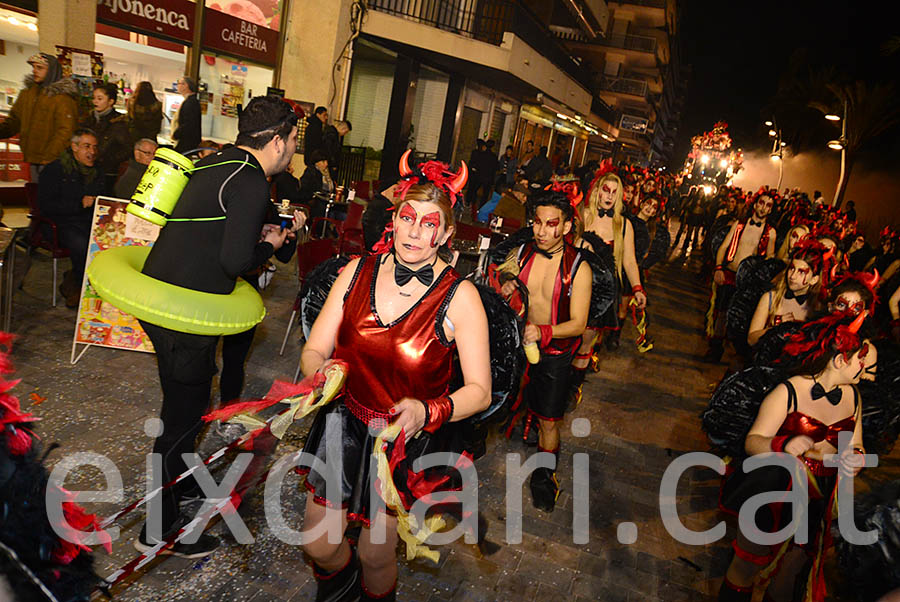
x=207, y=255
x=559, y=294
x=395, y=317
x=854, y=292
x=793, y=237
x=801, y=417
x=605, y=224
x=750, y=237
x=795, y=291
x=651, y=243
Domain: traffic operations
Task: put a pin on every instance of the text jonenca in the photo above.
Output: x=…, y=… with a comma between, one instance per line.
x=145, y=10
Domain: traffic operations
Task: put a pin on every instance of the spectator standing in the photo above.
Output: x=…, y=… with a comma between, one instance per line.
x=527, y=156
x=69, y=186
x=539, y=169
x=144, y=149
x=482, y=169
x=145, y=113
x=187, y=129
x=332, y=141
x=313, y=138
x=44, y=113
x=507, y=175
x=111, y=128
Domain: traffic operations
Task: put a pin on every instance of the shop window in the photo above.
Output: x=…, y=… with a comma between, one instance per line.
x=369, y=102
x=226, y=87
x=428, y=112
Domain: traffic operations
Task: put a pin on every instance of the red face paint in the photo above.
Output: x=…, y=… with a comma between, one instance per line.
x=433, y=221
x=408, y=212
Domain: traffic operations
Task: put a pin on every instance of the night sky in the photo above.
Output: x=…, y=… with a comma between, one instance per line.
x=739, y=50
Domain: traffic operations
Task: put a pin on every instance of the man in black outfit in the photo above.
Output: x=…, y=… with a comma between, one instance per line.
x=69, y=187
x=208, y=255
x=187, y=134
x=313, y=137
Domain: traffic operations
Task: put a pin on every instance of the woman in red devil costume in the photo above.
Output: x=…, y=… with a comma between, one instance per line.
x=802, y=417
x=395, y=318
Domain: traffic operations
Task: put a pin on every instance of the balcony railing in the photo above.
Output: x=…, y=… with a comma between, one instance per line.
x=624, y=85
x=487, y=21
x=630, y=42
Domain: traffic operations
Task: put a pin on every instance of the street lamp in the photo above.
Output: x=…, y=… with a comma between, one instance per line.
x=841, y=145
x=777, y=154
x=832, y=117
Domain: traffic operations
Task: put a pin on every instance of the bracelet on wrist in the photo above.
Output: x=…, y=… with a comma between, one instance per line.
x=437, y=411
x=637, y=288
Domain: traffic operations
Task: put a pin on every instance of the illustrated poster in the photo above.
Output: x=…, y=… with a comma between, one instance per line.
x=100, y=323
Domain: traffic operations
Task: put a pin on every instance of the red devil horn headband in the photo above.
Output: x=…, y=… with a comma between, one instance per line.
x=404, y=164
x=434, y=172
x=870, y=280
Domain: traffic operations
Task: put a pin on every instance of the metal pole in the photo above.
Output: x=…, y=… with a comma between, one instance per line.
x=843, y=157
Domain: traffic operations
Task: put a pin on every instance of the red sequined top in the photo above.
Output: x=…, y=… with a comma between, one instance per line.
x=410, y=357
x=797, y=423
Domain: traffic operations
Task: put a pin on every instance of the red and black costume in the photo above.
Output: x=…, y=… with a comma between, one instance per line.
x=721, y=295
x=740, y=486
x=547, y=390
x=409, y=357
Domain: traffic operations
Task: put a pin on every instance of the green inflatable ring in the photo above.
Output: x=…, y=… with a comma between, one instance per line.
x=116, y=276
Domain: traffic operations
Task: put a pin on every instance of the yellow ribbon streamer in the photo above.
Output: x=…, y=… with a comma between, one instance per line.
x=711, y=312
x=407, y=526
x=643, y=343
x=301, y=405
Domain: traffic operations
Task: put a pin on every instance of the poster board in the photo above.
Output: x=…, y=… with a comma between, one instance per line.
x=98, y=323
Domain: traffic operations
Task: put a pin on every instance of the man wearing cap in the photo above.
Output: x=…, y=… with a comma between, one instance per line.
x=44, y=113
x=213, y=236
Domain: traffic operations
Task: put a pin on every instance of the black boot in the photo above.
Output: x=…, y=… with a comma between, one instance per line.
x=732, y=593
x=576, y=384
x=388, y=596
x=545, y=487
x=612, y=339
x=715, y=351
x=342, y=585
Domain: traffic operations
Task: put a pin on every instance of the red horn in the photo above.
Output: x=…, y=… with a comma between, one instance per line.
x=461, y=178
x=834, y=273
x=828, y=255
x=857, y=323
x=870, y=280
x=404, y=164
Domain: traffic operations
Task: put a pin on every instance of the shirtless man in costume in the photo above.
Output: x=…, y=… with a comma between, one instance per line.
x=753, y=236
x=559, y=293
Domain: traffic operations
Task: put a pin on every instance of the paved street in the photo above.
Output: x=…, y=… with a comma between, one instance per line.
x=643, y=412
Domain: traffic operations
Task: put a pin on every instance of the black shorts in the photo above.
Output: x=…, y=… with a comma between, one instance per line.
x=547, y=391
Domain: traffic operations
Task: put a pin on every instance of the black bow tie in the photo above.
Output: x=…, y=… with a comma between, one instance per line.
x=606, y=212
x=756, y=224
x=800, y=299
x=833, y=396
x=403, y=274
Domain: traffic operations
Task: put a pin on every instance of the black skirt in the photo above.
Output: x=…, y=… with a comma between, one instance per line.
x=740, y=486
x=353, y=442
